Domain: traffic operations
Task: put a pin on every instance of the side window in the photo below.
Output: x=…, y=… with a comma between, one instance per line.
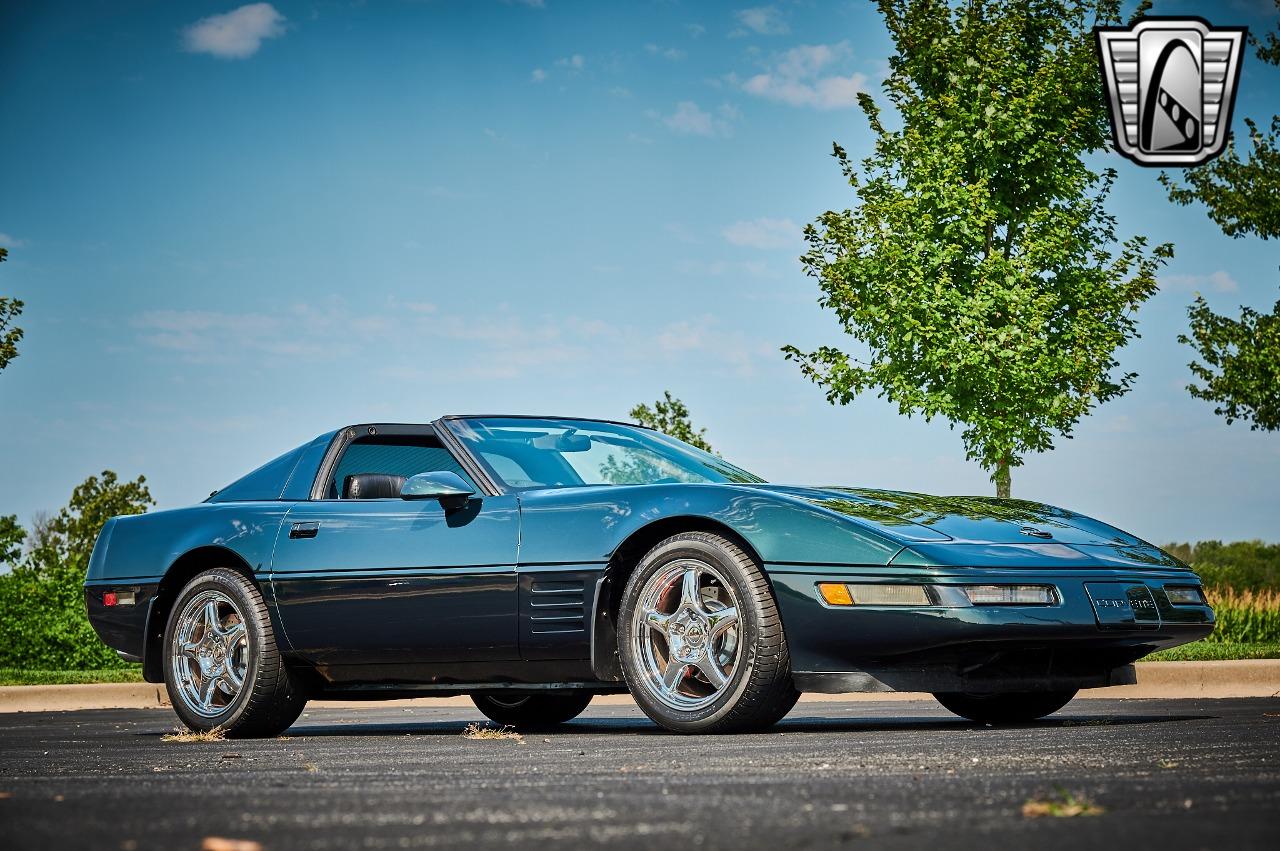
x=396, y=456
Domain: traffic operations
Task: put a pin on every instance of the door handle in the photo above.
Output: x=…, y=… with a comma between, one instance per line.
x=304, y=530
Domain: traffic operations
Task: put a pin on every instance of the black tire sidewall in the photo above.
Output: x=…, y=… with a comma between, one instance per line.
x=1006, y=708
x=749, y=615
x=234, y=586
x=534, y=710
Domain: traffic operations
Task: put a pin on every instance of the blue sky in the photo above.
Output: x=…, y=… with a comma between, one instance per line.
x=232, y=234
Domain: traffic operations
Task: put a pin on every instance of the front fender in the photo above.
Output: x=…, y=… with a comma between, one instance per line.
x=589, y=525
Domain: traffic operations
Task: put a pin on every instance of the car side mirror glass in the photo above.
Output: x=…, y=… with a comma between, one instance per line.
x=443, y=485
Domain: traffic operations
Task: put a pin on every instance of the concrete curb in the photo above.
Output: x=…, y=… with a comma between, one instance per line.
x=1241, y=678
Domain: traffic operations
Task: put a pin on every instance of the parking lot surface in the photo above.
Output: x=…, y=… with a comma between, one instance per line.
x=1141, y=773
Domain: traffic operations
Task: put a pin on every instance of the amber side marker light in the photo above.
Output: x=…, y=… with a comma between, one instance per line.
x=835, y=593
x=842, y=594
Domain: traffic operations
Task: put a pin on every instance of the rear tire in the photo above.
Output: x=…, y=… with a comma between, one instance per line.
x=532, y=711
x=1010, y=708
x=222, y=667
x=701, y=640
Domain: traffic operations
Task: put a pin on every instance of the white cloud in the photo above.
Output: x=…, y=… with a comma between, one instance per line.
x=762, y=20
x=236, y=34
x=537, y=76
x=576, y=62
x=681, y=232
x=505, y=345
x=691, y=120
x=764, y=233
x=532, y=4
x=1220, y=281
x=695, y=30
x=1223, y=282
x=721, y=268
x=672, y=53
x=9, y=241
x=796, y=77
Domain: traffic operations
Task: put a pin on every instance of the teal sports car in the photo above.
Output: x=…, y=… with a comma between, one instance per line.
x=533, y=562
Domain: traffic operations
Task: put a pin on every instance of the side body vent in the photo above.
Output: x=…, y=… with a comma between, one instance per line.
x=555, y=613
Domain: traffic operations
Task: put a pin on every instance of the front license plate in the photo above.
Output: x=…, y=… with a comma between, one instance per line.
x=1123, y=605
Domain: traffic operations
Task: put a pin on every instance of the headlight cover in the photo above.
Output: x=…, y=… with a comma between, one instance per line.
x=1184, y=595
x=1011, y=595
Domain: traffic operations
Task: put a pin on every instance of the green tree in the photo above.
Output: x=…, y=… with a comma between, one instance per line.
x=68, y=537
x=1241, y=357
x=11, y=537
x=1241, y=369
x=44, y=625
x=671, y=416
x=978, y=272
x=10, y=308
x=1242, y=196
x=11, y=532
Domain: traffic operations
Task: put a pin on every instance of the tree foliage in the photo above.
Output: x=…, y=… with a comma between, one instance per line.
x=11, y=537
x=1269, y=45
x=980, y=272
x=671, y=416
x=44, y=625
x=1240, y=371
x=1242, y=195
x=69, y=536
x=10, y=308
x=1240, y=565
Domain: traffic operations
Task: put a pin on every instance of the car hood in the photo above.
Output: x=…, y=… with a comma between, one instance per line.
x=960, y=519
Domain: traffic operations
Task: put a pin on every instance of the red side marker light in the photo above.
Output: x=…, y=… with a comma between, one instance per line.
x=109, y=598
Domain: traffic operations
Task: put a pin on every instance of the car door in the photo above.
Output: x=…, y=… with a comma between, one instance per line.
x=389, y=580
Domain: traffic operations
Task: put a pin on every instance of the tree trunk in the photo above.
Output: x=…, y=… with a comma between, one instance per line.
x=1003, y=480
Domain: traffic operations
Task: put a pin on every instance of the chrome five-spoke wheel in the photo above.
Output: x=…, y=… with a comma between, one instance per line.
x=687, y=634
x=222, y=667
x=210, y=653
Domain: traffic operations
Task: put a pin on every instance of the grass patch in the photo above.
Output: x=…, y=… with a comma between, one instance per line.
x=1061, y=804
x=184, y=736
x=475, y=731
x=1212, y=651
x=21, y=677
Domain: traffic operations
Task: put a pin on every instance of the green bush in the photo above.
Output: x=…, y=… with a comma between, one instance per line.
x=45, y=625
x=1241, y=565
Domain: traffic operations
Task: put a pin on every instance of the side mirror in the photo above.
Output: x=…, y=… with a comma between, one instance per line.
x=447, y=487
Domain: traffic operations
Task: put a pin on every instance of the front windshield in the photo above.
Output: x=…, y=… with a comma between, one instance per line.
x=528, y=453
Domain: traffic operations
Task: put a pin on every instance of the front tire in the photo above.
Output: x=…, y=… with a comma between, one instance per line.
x=701, y=639
x=531, y=711
x=222, y=667
x=1011, y=708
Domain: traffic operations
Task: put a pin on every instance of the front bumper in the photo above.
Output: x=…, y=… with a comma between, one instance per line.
x=1071, y=644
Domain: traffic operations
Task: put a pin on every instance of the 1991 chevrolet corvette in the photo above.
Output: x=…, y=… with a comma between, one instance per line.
x=534, y=562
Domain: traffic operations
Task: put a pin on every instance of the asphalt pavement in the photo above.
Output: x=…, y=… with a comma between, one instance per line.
x=1153, y=774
